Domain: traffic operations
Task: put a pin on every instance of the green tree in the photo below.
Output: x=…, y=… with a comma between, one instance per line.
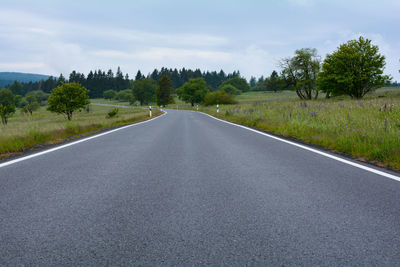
x=164, y=91
x=354, y=69
x=301, y=72
x=125, y=96
x=193, y=91
x=239, y=83
x=273, y=83
x=41, y=97
x=7, y=107
x=144, y=90
x=29, y=104
x=218, y=97
x=230, y=89
x=67, y=98
x=109, y=94
x=16, y=88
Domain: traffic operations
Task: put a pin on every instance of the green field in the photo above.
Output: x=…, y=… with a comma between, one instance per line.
x=43, y=127
x=368, y=129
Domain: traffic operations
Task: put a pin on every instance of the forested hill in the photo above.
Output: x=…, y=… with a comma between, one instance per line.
x=7, y=78
x=99, y=81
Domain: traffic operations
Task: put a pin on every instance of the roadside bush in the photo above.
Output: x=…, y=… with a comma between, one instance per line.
x=230, y=89
x=218, y=97
x=109, y=94
x=112, y=113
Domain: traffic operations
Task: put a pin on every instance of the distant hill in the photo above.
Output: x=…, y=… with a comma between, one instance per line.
x=9, y=77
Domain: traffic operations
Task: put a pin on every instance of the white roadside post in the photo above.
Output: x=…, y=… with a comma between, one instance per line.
x=217, y=108
x=150, y=110
x=197, y=107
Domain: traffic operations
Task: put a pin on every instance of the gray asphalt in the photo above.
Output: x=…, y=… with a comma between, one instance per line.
x=186, y=189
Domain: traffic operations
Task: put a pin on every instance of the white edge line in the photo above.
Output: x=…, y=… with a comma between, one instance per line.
x=385, y=174
x=76, y=142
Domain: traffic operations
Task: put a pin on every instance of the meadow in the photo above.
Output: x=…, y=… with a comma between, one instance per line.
x=368, y=129
x=24, y=131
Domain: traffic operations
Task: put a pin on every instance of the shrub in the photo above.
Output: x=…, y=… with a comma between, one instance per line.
x=218, y=97
x=112, y=113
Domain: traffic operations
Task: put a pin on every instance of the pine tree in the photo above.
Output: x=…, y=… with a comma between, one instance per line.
x=164, y=91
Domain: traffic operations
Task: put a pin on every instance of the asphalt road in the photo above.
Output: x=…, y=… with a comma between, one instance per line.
x=186, y=189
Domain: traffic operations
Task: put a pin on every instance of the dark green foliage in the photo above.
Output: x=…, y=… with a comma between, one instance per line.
x=30, y=104
x=7, y=107
x=354, y=69
x=144, y=90
x=230, y=89
x=301, y=72
x=218, y=97
x=109, y=94
x=112, y=113
x=139, y=76
x=274, y=82
x=16, y=88
x=40, y=96
x=239, y=83
x=253, y=82
x=17, y=100
x=193, y=91
x=164, y=91
x=125, y=96
x=67, y=98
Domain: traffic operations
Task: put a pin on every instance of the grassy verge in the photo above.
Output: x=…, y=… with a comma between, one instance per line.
x=368, y=129
x=44, y=128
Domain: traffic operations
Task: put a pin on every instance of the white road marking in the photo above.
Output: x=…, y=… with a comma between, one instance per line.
x=74, y=143
x=385, y=174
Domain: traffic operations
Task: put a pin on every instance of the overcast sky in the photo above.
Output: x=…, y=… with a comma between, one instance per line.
x=58, y=36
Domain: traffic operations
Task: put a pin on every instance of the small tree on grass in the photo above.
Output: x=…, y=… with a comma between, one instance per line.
x=7, y=107
x=164, y=91
x=109, y=94
x=354, y=69
x=29, y=104
x=193, y=91
x=67, y=98
x=301, y=72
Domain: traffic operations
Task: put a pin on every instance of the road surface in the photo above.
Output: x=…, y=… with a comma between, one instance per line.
x=186, y=189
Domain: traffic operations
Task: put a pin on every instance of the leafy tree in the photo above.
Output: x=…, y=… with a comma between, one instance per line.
x=29, y=104
x=354, y=69
x=125, y=96
x=273, y=83
x=218, y=97
x=67, y=98
x=109, y=94
x=40, y=96
x=301, y=72
x=230, y=89
x=193, y=91
x=252, y=82
x=144, y=90
x=16, y=88
x=164, y=91
x=61, y=80
x=139, y=76
x=7, y=107
x=239, y=83
x=17, y=100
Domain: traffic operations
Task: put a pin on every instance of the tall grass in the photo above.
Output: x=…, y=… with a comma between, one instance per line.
x=24, y=131
x=368, y=129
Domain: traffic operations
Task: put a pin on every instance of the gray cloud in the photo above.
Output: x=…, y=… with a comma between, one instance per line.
x=249, y=36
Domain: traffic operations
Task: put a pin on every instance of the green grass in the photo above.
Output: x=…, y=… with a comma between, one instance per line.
x=43, y=127
x=368, y=129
